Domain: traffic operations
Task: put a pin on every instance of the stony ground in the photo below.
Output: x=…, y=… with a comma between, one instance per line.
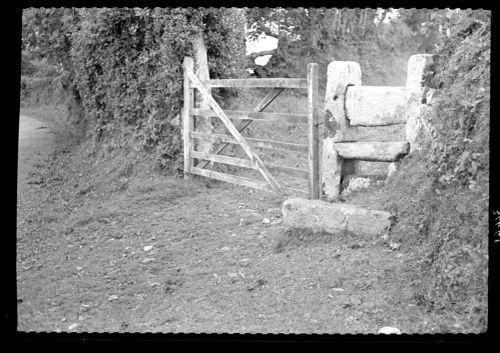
x=105, y=244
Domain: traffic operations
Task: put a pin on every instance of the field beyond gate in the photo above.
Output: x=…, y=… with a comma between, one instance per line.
x=205, y=160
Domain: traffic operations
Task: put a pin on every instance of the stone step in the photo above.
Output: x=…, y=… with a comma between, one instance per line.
x=334, y=218
x=372, y=151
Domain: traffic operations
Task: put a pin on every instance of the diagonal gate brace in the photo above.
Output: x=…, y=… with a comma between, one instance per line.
x=234, y=132
x=264, y=103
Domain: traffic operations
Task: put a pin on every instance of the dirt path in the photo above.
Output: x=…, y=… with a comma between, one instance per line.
x=106, y=245
x=36, y=141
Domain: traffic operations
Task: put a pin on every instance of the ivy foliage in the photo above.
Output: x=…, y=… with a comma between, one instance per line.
x=460, y=75
x=124, y=65
x=446, y=213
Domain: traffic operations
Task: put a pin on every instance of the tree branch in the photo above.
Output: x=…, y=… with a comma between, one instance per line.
x=254, y=56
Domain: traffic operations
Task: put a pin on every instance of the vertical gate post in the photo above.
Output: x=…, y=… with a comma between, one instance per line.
x=313, y=137
x=187, y=119
x=203, y=124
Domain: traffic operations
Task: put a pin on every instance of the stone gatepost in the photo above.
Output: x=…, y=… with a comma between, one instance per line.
x=341, y=74
x=415, y=94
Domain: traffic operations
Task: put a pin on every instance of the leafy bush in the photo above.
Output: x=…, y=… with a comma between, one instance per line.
x=446, y=213
x=125, y=64
x=27, y=67
x=460, y=154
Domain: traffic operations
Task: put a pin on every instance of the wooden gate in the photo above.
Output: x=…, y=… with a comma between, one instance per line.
x=192, y=81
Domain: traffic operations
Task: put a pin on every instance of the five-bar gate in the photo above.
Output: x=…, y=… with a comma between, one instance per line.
x=192, y=81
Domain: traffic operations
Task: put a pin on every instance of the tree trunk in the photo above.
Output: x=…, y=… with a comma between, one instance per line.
x=254, y=56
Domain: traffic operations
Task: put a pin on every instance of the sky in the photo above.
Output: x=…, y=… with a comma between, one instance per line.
x=260, y=44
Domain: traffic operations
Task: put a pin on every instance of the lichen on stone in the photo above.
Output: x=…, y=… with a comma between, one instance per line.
x=331, y=124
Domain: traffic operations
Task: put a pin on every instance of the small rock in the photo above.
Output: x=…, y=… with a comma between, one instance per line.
x=148, y=248
x=399, y=255
x=81, y=318
x=391, y=169
x=112, y=297
x=232, y=274
x=71, y=327
x=394, y=246
x=148, y=260
x=389, y=330
x=232, y=235
x=356, y=301
x=63, y=319
x=226, y=248
x=79, y=268
x=276, y=210
x=266, y=221
x=154, y=284
x=244, y=262
x=357, y=184
x=338, y=289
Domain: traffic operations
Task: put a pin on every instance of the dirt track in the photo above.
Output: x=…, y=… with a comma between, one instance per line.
x=106, y=245
x=36, y=141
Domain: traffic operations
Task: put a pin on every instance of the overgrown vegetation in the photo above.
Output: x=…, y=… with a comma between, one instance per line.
x=447, y=210
x=324, y=34
x=124, y=66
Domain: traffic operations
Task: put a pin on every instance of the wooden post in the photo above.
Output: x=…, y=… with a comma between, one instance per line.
x=201, y=67
x=187, y=119
x=312, y=113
